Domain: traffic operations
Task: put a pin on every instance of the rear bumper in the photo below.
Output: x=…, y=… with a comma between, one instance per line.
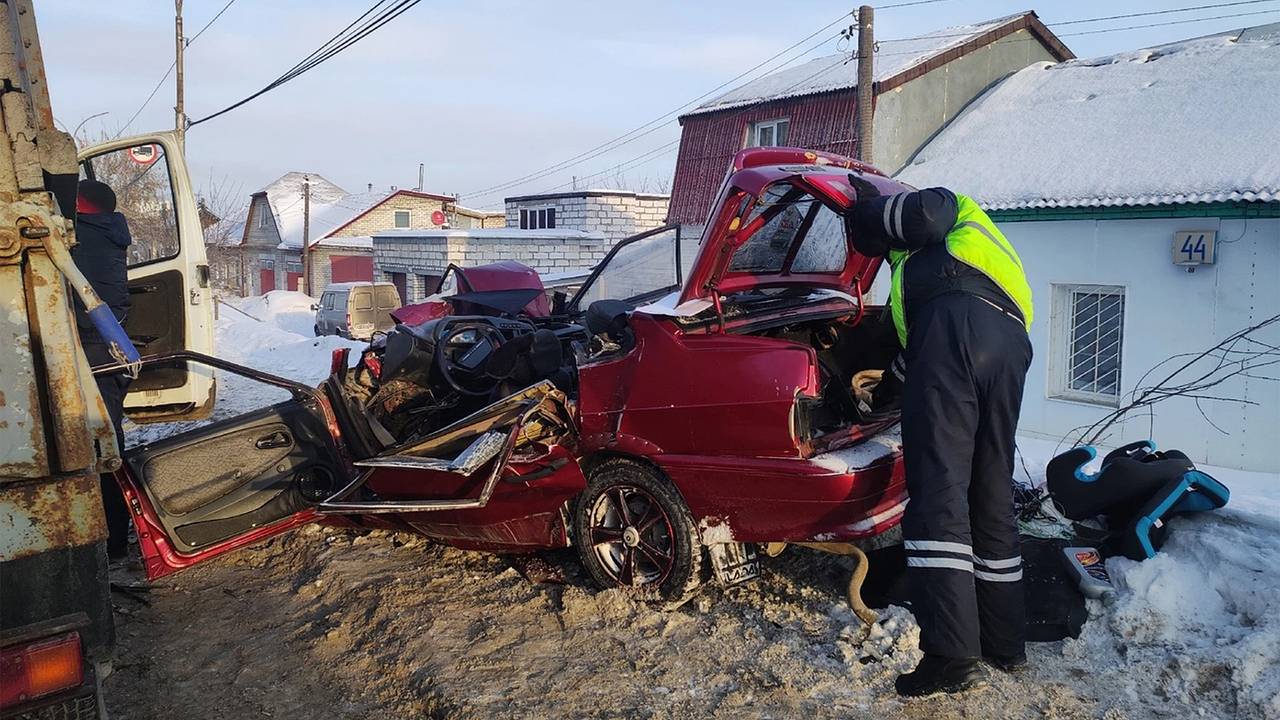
x=789, y=500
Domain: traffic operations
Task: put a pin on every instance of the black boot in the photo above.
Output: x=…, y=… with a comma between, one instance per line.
x=937, y=674
x=1006, y=663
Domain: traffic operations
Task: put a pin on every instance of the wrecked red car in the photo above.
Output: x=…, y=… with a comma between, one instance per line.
x=653, y=418
x=498, y=283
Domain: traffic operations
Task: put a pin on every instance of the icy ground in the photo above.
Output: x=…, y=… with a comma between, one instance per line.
x=328, y=623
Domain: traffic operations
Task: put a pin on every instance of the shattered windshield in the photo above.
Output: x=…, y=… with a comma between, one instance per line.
x=792, y=215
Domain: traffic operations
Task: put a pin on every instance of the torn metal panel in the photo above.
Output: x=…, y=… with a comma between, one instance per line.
x=542, y=409
x=531, y=419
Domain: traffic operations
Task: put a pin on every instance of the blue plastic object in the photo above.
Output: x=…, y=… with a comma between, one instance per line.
x=109, y=328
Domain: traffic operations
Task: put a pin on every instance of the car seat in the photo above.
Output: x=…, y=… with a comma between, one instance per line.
x=1137, y=489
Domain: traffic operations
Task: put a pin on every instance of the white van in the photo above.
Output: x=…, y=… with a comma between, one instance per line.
x=171, y=301
x=356, y=309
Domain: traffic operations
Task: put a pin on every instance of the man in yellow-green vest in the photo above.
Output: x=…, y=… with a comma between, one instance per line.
x=962, y=308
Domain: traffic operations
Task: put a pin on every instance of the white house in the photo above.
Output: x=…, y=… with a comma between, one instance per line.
x=1142, y=191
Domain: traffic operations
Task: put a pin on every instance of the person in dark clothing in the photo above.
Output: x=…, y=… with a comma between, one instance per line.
x=962, y=308
x=102, y=242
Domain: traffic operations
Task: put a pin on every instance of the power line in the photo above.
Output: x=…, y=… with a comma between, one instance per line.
x=616, y=143
x=930, y=36
x=1171, y=22
x=329, y=49
x=1161, y=12
x=609, y=146
x=169, y=72
x=657, y=152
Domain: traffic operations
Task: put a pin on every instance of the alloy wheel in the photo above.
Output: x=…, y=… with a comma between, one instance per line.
x=632, y=536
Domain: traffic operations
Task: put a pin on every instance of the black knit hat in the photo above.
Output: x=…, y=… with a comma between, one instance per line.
x=98, y=194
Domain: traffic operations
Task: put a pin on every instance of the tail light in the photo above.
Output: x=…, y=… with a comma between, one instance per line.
x=812, y=386
x=338, y=361
x=40, y=668
x=348, y=322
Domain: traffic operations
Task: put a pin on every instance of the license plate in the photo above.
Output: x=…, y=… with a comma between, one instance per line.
x=734, y=563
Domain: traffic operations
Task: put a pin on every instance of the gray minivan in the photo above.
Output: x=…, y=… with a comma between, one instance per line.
x=356, y=309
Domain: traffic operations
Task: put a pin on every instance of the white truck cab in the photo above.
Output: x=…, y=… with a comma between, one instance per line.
x=171, y=300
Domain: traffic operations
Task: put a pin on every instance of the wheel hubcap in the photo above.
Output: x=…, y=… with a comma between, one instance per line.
x=632, y=536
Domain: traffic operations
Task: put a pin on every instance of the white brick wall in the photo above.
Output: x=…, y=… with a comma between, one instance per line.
x=431, y=255
x=613, y=215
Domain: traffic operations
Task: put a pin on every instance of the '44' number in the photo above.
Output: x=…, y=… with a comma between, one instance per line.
x=1191, y=250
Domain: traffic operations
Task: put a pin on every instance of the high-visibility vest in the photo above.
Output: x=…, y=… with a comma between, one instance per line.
x=977, y=242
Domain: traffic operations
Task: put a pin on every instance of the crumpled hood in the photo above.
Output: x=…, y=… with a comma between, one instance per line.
x=111, y=226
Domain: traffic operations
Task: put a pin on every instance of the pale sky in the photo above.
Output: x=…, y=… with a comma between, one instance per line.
x=484, y=91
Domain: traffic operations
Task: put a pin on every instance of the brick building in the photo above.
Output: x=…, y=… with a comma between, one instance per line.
x=414, y=260
x=557, y=234
x=615, y=214
x=920, y=84
x=262, y=250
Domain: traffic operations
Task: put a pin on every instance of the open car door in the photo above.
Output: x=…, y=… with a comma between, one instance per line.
x=205, y=492
x=208, y=491
x=171, y=302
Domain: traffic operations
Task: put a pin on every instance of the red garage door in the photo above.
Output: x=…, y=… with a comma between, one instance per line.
x=351, y=268
x=292, y=279
x=267, y=279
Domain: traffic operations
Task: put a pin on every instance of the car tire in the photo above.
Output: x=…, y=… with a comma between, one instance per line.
x=316, y=329
x=632, y=529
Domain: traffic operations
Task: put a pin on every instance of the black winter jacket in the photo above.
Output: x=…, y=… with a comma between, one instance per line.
x=101, y=254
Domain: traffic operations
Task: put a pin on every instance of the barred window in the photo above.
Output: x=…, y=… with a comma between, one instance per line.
x=1089, y=325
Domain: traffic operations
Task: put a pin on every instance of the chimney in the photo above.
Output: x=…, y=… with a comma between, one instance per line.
x=370, y=187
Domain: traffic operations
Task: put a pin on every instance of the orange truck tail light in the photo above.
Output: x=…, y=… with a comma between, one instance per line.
x=36, y=669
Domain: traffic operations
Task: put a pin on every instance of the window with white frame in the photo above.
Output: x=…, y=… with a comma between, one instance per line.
x=769, y=133
x=402, y=218
x=263, y=216
x=1088, y=343
x=537, y=218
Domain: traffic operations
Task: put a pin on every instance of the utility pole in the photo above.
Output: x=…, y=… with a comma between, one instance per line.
x=421, y=170
x=179, y=110
x=866, y=79
x=306, y=234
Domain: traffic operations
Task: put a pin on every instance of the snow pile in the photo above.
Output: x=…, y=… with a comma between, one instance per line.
x=272, y=333
x=280, y=310
x=838, y=72
x=1180, y=123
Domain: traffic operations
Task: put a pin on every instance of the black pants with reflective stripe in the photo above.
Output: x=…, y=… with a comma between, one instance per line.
x=966, y=364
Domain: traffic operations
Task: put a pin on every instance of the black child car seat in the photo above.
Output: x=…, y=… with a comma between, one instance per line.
x=1137, y=489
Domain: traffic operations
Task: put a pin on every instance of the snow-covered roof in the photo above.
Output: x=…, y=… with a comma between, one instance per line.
x=285, y=198
x=1189, y=122
x=472, y=212
x=332, y=208
x=838, y=72
x=364, y=242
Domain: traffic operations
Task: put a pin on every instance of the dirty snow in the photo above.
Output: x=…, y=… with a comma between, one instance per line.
x=1179, y=123
x=334, y=623
x=837, y=72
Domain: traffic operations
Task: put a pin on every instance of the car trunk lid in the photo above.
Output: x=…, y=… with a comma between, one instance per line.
x=778, y=223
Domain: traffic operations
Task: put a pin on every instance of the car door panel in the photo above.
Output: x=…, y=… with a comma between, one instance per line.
x=209, y=484
x=207, y=491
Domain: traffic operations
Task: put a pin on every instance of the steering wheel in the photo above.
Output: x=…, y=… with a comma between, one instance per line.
x=451, y=369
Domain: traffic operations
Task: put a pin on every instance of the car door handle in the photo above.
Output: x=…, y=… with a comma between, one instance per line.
x=277, y=439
